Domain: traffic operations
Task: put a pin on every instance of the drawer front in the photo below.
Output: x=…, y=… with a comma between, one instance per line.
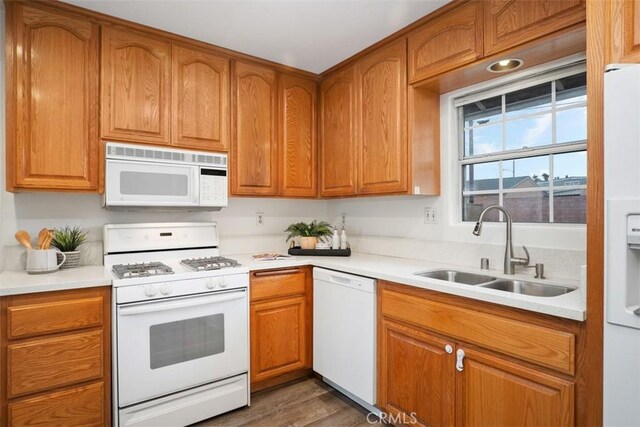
x=45, y=363
x=81, y=406
x=277, y=283
x=536, y=344
x=56, y=316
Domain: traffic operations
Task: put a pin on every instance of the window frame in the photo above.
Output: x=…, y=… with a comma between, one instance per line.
x=547, y=75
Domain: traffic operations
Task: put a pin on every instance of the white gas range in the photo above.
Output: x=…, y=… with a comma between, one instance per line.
x=181, y=325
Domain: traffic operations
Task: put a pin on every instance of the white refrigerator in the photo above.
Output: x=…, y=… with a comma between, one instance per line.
x=622, y=247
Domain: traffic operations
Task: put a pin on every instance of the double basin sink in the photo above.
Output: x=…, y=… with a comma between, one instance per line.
x=489, y=282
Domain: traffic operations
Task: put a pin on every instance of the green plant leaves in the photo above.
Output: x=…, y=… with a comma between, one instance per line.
x=68, y=239
x=314, y=229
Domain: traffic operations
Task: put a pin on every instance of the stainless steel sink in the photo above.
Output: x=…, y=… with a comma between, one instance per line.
x=456, y=276
x=527, y=288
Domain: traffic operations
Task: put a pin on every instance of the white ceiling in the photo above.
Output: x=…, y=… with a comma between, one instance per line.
x=312, y=35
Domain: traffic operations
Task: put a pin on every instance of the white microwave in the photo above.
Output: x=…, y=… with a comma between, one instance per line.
x=139, y=177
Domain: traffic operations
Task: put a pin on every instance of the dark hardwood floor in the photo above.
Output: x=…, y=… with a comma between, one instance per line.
x=305, y=402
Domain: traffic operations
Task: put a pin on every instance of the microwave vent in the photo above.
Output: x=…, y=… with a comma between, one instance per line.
x=114, y=150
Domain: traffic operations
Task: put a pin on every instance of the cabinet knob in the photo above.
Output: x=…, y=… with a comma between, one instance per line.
x=448, y=349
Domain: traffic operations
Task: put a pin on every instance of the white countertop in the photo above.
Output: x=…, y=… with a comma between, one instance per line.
x=399, y=270
x=19, y=282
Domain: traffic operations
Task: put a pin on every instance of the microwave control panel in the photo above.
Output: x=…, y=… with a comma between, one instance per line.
x=213, y=187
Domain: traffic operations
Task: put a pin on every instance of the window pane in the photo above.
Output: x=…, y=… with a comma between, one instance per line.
x=570, y=169
x=473, y=205
x=481, y=176
x=571, y=125
x=483, y=140
x=482, y=112
x=528, y=132
x=531, y=100
x=529, y=172
x=531, y=206
x=571, y=89
x=570, y=206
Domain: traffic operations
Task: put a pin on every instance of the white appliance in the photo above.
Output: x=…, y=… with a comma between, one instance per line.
x=344, y=333
x=181, y=324
x=622, y=261
x=138, y=177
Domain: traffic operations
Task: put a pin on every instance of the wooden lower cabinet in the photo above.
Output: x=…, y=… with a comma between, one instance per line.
x=417, y=376
x=491, y=391
x=280, y=325
x=55, y=357
x=430, y=379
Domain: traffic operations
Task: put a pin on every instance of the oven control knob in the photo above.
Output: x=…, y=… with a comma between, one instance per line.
x=212, y=283
x=223, y=282
x=150, y=291
x=165, y=289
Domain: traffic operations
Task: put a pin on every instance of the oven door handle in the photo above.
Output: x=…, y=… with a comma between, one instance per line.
x=154, y=307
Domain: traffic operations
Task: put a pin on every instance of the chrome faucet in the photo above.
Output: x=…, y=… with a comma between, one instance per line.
x=510, y=261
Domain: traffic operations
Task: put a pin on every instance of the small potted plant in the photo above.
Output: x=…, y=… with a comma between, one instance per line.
x=309, y=233
x=67, y=240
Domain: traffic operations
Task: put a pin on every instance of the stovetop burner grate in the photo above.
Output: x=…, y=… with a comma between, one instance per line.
x=126, y=271
x=209, y=263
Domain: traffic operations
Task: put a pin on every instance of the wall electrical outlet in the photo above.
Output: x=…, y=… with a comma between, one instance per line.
x=259, y=218
x=430, y=216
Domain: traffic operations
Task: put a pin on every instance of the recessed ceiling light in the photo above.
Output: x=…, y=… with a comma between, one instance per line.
x=505, y=65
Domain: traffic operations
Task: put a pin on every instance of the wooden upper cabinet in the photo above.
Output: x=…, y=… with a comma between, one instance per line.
x=298, y=163
x=446, y=42
x=416, y=375
x=52, y=101
x=136, y=87
x=497, y=392
x=254, y=152
x=200, y=100
x=382, y=121
x=509, y=23
x=338, y=144
x=625, y=31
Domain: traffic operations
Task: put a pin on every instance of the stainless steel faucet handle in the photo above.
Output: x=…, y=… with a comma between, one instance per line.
x=528, y=258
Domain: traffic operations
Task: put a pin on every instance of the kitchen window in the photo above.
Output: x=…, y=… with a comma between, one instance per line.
x=523, y=146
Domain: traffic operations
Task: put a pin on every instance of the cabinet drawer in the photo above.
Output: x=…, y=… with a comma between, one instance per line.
x=276, y=283
x=81, y=406
x=45, y=363
x=536, y=344
x=56, y=316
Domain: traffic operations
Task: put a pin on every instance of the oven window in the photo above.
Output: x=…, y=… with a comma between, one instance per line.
x=153, y=184
x=184, y=340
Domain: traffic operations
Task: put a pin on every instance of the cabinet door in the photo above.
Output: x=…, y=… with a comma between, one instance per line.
x=509, y=23
x=416, y=376
x=254, y=156
x=298, y=136
x=382, y=121
x=446, y=42
x=278, y=337
x=338, y=144
x=200, y=100
x=495, y=392
x=625, y=28
x=136, y=87
x=53, y=122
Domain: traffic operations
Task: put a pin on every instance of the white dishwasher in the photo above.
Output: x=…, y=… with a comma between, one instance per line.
x=344, y=333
